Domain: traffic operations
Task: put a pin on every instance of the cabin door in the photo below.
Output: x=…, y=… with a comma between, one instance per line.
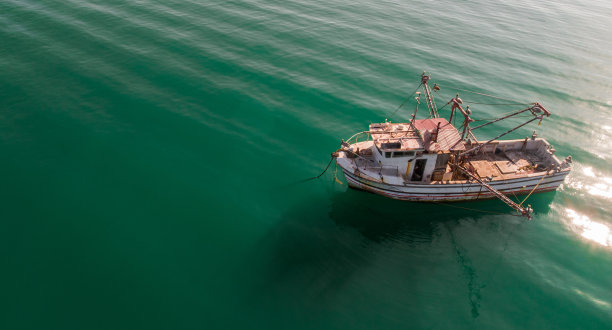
x=419, y=168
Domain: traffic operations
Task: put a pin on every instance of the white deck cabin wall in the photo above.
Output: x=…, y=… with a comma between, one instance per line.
x=402, y=163
x=399, y=162
x=429, y=167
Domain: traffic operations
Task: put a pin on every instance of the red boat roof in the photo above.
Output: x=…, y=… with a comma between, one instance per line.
x=402, y=136
x=448, y=138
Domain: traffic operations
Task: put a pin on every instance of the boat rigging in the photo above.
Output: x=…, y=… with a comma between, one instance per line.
x=431, y=160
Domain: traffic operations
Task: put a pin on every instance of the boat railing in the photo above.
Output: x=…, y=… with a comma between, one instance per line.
x=359, y=137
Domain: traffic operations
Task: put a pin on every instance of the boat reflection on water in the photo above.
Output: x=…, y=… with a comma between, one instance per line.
x=378, y=218
x=319, y=249
x=305, y=242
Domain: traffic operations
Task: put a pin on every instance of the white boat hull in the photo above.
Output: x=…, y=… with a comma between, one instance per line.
x=457, y=191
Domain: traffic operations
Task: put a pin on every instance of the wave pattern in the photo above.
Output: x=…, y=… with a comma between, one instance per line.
x=180, y=120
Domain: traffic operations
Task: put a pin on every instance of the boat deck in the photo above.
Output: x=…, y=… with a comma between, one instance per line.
x=496, y=165
x=507, y=165
x=429, y=160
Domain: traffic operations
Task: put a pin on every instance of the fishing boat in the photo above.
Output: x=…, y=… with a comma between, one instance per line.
x=435, y=160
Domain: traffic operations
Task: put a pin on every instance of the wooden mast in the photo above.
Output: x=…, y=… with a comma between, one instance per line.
x=433, y=111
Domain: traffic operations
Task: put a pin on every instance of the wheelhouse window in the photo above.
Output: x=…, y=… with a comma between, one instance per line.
x=403, y=154
x=391, y=145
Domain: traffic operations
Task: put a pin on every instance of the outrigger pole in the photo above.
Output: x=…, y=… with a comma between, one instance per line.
x=537, y=110
x=525, y=211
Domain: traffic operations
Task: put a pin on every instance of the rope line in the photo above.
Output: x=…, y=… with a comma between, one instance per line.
x=515, y=197
x=483, y=94
x=336, y=173
x=406, y=100
x=508, y=112
x=470, y=102
x=318, y=176
x=524, y=116
x=444, y=106
x=534, y=188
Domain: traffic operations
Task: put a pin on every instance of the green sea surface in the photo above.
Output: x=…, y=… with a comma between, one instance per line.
x=151, y=153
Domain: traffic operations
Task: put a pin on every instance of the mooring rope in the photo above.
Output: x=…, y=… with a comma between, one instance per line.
x=331, y=159
x=314, y=177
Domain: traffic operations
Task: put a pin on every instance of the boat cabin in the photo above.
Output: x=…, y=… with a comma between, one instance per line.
x=419, y=150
